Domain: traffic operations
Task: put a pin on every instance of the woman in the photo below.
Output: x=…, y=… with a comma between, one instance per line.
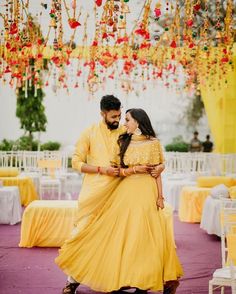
x=127, y=243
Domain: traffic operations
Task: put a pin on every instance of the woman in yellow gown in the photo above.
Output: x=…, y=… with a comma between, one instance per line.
x=126, y=243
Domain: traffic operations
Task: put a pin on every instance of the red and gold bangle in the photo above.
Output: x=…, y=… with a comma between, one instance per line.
x=123, y=172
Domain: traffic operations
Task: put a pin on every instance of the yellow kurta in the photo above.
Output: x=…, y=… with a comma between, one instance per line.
x=127, y=242
x=96, y=146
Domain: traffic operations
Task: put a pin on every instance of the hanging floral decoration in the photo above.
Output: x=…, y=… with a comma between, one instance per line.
x=169, y=37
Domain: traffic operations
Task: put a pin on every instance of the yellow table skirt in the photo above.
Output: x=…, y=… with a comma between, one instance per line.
x=47, y=223
x=191, y=203
x=26, y=187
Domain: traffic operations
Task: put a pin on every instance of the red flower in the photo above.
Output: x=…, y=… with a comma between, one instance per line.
x=145, y=45
x=189, y=22
x=157, y=12
x=8, y=45
x=144, y=33
x=173, y=44
x=79, y=72
x=56, y=60
x=40, y=41
x=225, y=59
x=104, y=35
x=7, y=70
x=143, y=61
x=13, y=29
x=128, y=66
x=225, y=51
x=120, y=40
x=159, y=74
x=13, y=49
x=191, y=45
x=73, y=23
x=95, y=43
x=98, y=2
x=197, y=7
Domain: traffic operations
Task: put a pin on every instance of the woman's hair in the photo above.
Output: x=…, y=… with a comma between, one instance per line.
x=144, y=125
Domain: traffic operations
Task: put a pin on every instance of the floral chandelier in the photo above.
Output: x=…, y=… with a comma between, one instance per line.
x=167, y=38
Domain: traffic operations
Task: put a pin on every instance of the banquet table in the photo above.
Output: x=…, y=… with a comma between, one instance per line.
x=172, y=188
x=210, y=221
x=212, y=217
x=26, y=187
x=47, y=223
x=191, y=203
x=10, y=205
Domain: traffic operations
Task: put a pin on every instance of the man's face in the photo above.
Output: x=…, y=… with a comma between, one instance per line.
x=112, y=118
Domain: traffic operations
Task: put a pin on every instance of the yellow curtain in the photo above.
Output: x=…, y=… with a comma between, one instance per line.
x=219, y=97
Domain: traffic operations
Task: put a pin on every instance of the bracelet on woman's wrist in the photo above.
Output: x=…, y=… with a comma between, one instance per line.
x=123, y=172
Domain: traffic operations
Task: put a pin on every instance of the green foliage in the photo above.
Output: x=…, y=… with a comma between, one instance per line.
x=50, y=146
x=26, y=143
x=30, y=110
x=6, y=145
x=178, y=145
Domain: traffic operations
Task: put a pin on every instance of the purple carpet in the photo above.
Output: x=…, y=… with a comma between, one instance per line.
x=32, y=271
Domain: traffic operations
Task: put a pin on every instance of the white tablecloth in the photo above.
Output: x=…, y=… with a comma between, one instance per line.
x=210, y=220
x=70, y=184
x=10, y=205
x=35, y=178
x=172, y=188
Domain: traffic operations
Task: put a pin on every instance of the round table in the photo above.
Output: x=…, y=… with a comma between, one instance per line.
x=10, y=205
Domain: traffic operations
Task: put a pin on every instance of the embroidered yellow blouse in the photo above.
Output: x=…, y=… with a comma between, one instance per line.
x=142, y=151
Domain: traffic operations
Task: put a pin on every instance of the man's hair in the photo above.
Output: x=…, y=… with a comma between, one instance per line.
x=109, y=102
x=208, y=136
x=195, y=133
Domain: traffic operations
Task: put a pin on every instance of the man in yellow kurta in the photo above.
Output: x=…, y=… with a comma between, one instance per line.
x=94, y=155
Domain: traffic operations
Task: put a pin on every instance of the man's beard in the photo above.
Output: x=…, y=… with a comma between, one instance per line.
x=112, y=126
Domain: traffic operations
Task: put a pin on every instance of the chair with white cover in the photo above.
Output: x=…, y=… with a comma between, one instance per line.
x=226, y=275
x=48, y=182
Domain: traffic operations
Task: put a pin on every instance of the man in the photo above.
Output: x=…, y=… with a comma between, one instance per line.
x=94, y=154
x=207, y=145
x=195, y=143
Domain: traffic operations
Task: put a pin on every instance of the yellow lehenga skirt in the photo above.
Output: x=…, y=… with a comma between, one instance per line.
x=126, y=244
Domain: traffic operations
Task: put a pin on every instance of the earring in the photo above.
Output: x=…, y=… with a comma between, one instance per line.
x=138, y=132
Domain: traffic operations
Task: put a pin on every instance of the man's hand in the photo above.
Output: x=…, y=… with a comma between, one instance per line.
x=142, y=169
x=111, y=171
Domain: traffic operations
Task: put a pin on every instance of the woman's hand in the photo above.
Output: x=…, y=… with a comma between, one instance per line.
x=160, y=203
x=157, y=170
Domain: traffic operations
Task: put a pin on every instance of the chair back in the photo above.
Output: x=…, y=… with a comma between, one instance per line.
x=228, y=227
x=49, y=166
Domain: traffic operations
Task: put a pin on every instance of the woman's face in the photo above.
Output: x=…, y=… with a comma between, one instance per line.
x=130, y=123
